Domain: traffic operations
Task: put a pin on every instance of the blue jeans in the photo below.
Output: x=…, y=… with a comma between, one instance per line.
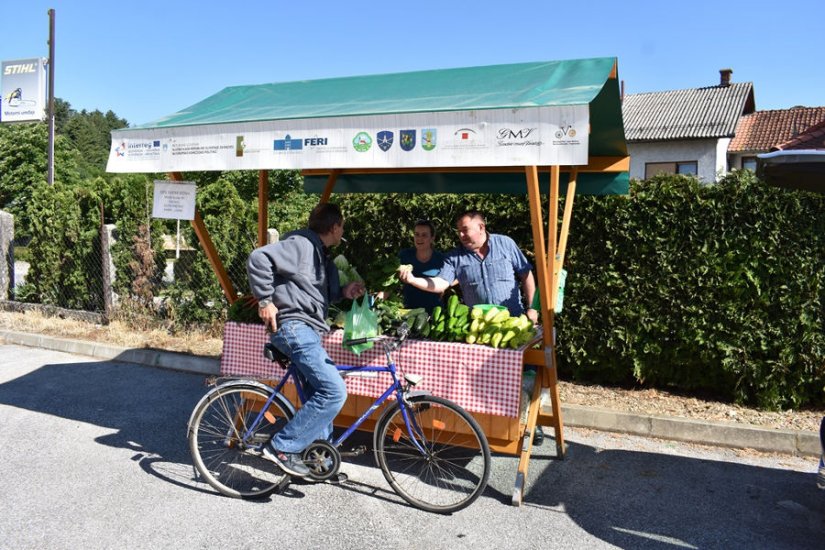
x=323, y=387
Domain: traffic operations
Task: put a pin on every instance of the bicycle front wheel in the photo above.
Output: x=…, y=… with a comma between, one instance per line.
x=441, y=463
x=225, y=446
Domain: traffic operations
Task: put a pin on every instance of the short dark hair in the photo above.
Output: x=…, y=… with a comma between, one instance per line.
x=472, y=214
x=324, y=217
x=426, y=223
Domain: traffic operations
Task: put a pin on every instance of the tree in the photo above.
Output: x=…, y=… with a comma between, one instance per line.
x=23, y=165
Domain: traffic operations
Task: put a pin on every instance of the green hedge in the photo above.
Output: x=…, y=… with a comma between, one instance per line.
x=719, y=288
x=711, y=288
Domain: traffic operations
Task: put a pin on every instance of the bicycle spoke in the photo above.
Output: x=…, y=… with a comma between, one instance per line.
x=454, y=466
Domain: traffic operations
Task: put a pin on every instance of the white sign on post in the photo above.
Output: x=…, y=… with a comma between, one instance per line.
x=174, y=200
x=23, y=90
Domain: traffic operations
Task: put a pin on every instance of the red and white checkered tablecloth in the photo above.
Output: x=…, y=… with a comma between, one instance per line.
x=479, y=378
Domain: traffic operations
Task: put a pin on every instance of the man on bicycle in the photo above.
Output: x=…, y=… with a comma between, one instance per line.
x=294, y=281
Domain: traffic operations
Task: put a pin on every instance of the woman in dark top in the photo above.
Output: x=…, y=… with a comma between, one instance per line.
x=426, y=262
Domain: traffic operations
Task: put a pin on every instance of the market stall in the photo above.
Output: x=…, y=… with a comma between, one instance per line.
x=548, y=128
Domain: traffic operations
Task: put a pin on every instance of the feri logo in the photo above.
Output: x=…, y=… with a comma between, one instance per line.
x=23, y=90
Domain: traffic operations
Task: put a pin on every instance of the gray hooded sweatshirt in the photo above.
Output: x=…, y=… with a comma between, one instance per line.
x=298, y=276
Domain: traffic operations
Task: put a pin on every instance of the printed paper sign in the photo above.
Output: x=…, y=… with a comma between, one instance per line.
x=174, y=200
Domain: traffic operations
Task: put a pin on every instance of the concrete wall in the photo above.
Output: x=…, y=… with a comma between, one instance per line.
x=710, y=155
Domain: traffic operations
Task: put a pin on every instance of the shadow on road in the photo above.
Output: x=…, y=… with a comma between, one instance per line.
x=628, y=498
x=635, y=499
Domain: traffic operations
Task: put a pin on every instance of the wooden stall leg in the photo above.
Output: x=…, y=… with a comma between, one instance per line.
x=552, y=385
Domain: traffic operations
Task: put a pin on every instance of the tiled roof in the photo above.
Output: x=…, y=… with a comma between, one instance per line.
x=812, y=138
x=710, y=112
x=759, y=131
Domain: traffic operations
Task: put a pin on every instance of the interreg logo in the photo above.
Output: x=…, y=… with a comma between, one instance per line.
x=385, y=139
x=362, y=142
x=120, y=150
x=407, y=140
x=428, y=139
x=288, y=144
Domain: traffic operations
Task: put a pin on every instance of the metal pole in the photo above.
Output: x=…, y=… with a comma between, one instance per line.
x=51, y=97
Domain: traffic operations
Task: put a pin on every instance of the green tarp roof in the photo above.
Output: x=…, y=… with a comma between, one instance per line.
x=582, y=82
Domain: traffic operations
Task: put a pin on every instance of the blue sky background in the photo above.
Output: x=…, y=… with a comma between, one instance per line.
x=147, y=59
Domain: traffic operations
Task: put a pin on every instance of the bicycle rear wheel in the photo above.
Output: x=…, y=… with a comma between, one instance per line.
x=232, y=466
x=454, y=468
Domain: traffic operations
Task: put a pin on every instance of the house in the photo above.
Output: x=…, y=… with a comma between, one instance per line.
x=685, y=131
x=764, y=131
x=798, y=163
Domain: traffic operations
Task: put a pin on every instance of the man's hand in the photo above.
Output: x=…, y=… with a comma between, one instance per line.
x=269, y=315
x=533, y=315
x=353, y=290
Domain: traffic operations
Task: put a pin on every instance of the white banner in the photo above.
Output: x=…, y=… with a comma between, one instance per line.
x=496, y=137
x=174, y=200
x=23, y=90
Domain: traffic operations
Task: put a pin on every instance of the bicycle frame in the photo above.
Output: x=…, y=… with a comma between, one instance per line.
x=395, y=387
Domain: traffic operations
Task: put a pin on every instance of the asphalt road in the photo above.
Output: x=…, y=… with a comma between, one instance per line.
x=93, y=454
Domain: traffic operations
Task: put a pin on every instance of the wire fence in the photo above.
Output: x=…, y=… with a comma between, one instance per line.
x=169, y=282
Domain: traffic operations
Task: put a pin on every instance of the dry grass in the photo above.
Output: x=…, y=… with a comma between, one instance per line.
x=116, y=333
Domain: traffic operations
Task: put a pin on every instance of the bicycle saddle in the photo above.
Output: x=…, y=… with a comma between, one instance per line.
x=274, y=354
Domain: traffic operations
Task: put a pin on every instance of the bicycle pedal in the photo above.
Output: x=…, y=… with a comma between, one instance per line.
x=357, y=451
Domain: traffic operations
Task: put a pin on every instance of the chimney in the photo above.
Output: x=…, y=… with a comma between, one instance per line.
x=724, y=77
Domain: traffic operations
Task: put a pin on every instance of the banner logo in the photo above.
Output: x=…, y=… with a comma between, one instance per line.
x=362, y=142
x=428, y=139
x=522, y=137
x=566, y=135
x=21, y=68
x=240, y=145
x=288, y=144
x=385, y=139
x=407, y=140
x=565, y=131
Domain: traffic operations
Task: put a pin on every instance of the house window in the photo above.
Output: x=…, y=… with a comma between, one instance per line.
x=749, y=163
x=688, y=167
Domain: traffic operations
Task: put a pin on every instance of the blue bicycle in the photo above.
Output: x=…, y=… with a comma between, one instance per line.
x=430, y=450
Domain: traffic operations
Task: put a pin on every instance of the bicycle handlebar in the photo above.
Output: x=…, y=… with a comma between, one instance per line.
x=403, y=331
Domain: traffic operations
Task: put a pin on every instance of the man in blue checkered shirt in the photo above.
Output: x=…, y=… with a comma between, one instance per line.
x=487, y=266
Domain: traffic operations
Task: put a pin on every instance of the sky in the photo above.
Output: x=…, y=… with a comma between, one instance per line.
x=148, y=59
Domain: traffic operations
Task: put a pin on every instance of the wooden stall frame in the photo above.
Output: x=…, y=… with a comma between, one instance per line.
x=507, y=435
x=549, y=262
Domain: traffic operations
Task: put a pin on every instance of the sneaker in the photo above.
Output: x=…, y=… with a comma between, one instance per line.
x=538, y=437
x=820, y=476
x=290, y=463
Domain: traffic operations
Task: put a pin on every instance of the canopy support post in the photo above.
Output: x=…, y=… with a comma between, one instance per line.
x=263, y=200
x=547, y=375
x=333, y=177
x=211, y=253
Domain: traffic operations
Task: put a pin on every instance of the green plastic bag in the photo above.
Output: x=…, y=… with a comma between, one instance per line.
x=361, y=322
x=559, y=298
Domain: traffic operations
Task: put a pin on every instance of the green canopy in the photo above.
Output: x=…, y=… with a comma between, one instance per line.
x=527, y=114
